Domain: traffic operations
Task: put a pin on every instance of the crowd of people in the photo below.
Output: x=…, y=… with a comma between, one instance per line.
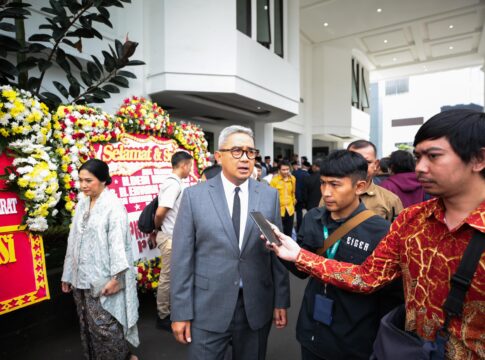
x=370, y=235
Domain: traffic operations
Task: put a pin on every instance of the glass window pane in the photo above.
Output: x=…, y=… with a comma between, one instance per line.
x=278, y=27
x=263, y=24
x=244, y=16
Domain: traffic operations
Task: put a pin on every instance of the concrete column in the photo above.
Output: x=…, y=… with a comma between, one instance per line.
x=263, y=138
x=303, y=145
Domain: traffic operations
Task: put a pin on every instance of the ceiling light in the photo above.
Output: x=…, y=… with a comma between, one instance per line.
x=379, y=10
x=385, y=41
x=258, y=107
x=265, y=7
x=450, y=27
x=394, y=59
x=450, y=47
x=325, y=24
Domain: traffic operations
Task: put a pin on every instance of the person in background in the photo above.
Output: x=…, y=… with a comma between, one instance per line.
x=312, y=194
x=225, y=286
x=257, y=172
x=427, y=241
x=383, y=202
x=259, y=160
x=355, y=317
x=267, y=164
x=210, y=171
x=383, y=172
x=272, y=172
x=285, y=183
x=300, y=175
x=403, y=180
x=98, y=268
x=168, y=205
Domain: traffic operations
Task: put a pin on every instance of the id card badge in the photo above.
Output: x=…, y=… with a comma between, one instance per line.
x=323, y=309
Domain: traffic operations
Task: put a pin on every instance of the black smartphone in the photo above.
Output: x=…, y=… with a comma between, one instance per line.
x=265, y=227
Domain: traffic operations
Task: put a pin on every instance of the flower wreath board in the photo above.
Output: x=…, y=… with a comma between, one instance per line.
x=139, y=163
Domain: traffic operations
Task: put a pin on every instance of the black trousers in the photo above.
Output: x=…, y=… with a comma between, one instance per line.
x=308, y=355
x=287, y=222
x=299, y=215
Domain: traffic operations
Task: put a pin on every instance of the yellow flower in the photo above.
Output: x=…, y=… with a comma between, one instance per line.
x=22, y=182
x=29, y=194
x=69, y=205
x=11, y=95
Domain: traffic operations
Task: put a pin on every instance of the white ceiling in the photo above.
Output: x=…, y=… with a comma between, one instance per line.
x=406, y=37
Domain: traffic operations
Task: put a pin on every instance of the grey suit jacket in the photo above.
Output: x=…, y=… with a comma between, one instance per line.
x=206, y=263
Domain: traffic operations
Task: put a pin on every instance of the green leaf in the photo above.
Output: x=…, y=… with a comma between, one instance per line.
x=36, y=47
x=52, y=97
x=40, y=37
x=47, y=26
x=103, y=12
x=109, y=61
x=120, y=81
x=126, y=74
x=74, y=90
x=82, y=33
x=111, y=88
x=93, y=71
x=97, y=62
x=8, y=69
x=49, y=10
x=74, y=61
x=103, y=19
x=119, y=48
x=102, y=94
x=33, y=83
x=9, y=43
x=86, y=78
x=61, y=88
x=7, y=27
x=27, y=64
x=44, y=65
x=86, y=22
x=135, y=62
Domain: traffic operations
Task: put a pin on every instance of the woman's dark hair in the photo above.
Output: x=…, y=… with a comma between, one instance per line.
x=384, y=164
x=464, y=129
x=344, y=163
x=402, y=162
x=98, y=168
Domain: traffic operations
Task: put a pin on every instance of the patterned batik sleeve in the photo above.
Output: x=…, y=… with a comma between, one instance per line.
x=380, y=268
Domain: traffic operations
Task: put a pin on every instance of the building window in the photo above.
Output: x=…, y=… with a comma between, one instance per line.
x=360, y=93
x=244, y=16
x=263, y=24
x=395, y=87
x=278, y=27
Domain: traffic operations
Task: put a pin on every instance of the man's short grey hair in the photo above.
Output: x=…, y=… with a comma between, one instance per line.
x=234, y=129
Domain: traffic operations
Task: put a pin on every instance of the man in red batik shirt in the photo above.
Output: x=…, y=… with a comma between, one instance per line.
x=426, y=242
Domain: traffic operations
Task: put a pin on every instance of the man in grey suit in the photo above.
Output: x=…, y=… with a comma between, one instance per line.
x=226, y=286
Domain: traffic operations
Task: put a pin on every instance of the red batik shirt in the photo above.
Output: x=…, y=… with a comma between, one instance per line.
x=421, y=248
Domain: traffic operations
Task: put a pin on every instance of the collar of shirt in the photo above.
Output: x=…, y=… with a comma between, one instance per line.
x=324, y=216
x=244, y=198
x=475, y=219
x=371, y=190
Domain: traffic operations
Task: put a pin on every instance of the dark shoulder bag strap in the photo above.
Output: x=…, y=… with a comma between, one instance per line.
x=460, y=283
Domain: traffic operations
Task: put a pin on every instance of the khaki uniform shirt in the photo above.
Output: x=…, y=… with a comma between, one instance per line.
x=383, y=202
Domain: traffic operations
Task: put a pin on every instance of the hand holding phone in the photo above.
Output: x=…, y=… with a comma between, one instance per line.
x=265, y=227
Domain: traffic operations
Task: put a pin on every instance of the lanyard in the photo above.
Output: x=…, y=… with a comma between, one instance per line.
x=331, y=251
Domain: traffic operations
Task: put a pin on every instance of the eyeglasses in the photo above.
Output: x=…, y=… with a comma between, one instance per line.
x=238, y=152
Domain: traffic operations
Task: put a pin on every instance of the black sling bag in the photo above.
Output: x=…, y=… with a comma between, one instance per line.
x=393, y=342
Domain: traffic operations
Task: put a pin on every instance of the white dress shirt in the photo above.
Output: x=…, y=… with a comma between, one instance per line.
x=229, y=189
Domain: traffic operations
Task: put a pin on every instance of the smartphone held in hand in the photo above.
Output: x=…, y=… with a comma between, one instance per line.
x=265, y=227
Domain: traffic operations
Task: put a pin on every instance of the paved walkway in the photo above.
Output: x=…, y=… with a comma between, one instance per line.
x=158, y=344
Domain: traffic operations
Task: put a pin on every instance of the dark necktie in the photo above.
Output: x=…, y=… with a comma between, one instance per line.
x=236, y=213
